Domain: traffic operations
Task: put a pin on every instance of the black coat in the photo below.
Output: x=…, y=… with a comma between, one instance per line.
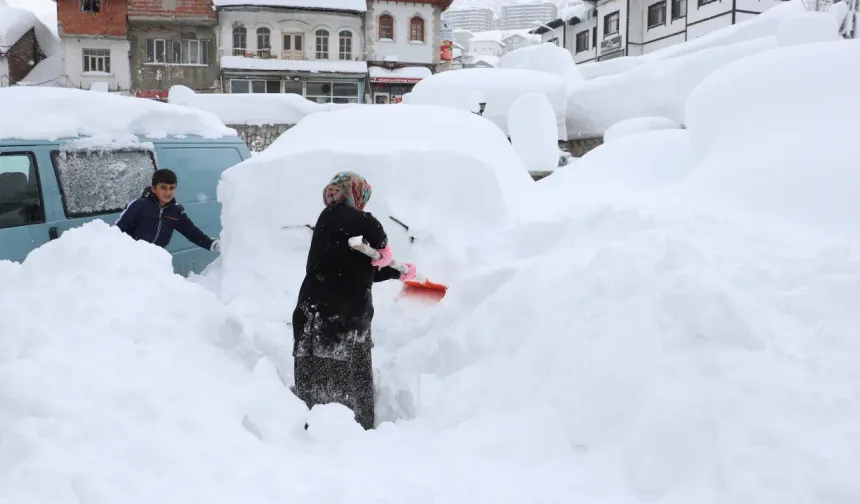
x=335, y=304
x=145, y=219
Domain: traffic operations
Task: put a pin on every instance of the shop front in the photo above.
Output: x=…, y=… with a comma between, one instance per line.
x=389, y=85
x=318, y=86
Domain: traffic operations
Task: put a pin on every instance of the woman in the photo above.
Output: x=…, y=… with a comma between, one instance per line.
x=331, y=322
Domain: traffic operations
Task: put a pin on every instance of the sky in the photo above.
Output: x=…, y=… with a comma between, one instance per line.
x=46, y=10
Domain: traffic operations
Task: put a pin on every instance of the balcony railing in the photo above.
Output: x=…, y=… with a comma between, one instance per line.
x=295, y=55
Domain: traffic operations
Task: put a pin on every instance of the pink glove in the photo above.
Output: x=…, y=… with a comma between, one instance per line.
x=385, y=258
x=409, y=275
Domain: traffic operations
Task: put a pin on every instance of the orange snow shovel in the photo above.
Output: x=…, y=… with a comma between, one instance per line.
x=420, y=283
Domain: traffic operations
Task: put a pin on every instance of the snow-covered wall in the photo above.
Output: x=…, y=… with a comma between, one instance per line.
x=119, y=77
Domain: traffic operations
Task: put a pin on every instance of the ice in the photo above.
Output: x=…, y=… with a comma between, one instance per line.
x=253, y=109
x=544, y=57
x=638, y=125
x=51, y=113
x=500, y=86
x=531, y=123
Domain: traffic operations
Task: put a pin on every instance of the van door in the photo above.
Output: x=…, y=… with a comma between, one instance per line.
x=198, y=169
x=22, y=208
x=99, y=184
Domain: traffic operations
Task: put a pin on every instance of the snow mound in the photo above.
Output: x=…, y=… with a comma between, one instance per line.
x=751, y=163
x=674, y=359
x=631, y=168
x=638, y=125
x=499, y=86
x=531, y=123
x=50, y=113
x=658, y=88
x=16, y=22
x=119, y=377
x=251, y=109
x=808, y=28
x=544, y=57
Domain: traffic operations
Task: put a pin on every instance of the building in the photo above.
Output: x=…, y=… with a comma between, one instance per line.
x=315, y=52
x=471, y=19
x=172, y=42
x=401, y=36
x=526, y=15
x=487, y=44
x=575, y=29
x=95, y=47
x=24, y=44
x=517, y=40
x=635, y=27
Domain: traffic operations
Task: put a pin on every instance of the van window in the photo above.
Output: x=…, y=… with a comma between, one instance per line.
x=199, y=170
x=20, y=198
x=101, y=182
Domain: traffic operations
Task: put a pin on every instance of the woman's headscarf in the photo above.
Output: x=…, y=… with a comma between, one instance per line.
x=348, y=187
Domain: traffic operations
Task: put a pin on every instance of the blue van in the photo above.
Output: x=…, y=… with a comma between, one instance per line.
x=49, y=187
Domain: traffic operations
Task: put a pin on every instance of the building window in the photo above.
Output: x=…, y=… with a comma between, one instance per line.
x=657, y=14
x=386, y=27
x=611, y=24
x=322, y=44
x=240, y=40
x=594, y=37
x=332, y=92
x=255, y=86
x=264, y=42
x=90, y=5
x=162, y=51
x=195, y=52
x=345, y=47
x=416, y=29
x=97, y=60
x=20, y=201
x=679, y=9
x=101, y=182
x=293, y=46
x=582, y=41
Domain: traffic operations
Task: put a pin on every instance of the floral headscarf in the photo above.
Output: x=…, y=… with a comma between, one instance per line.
x=348, y=187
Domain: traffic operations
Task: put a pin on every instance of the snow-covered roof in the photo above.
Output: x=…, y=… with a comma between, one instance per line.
x=313, y=66
x=15, y=23
x=405, y=74
x=493, y=61
x=49, y=113
x=580, y=11
x=46, y=73
x=346, y=5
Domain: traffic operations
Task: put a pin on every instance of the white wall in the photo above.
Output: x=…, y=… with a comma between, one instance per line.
x=669, y=28
x=696, y=13
x=705, y=27
x=755, y=5
x=678, y=38
x=405, y=50
x=279, y=23
x=119, y=78
x=485, y=48
x=608, y=7
x=588, y=25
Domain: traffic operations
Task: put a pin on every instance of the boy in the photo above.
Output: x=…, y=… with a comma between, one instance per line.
x=155, y=215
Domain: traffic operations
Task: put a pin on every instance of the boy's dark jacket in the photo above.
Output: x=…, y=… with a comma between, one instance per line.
x=144, y=219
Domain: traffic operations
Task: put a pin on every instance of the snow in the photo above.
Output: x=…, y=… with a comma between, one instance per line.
x=48, y=113
x=531, y=122
x=544, y=57
x=803, y=176
x=314, y=66
x=680, y=328
x=251, y=109
x=808, y=27
x=47, y=72
x=45, y=10
x=15, y=23
x=491, y=60
x=411, y=72
x=344, y=5
x=500, y=86
x=100, y=86
x=638, y=125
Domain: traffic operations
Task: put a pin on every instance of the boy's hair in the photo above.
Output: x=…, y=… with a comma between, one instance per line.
x=163, y=176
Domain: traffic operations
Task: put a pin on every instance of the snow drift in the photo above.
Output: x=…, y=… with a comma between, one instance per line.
x=52, y=113
x=544, y=57
x=638, y=125
x=749, y=161
x=499, y=87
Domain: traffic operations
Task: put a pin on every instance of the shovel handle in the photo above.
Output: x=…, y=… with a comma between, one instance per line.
x=357, y=243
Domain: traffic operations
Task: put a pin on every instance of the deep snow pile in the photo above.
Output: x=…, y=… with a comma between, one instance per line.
x=544, y=57
x=498, y=87
x=637, y=125
x=660, y=86
x=253, y=109
x=531, y=124
x=52, y=113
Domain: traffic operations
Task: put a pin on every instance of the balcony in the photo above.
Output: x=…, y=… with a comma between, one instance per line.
x=292, y=55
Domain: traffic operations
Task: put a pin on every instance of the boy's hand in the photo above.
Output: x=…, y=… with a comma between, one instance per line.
x=216, y=246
